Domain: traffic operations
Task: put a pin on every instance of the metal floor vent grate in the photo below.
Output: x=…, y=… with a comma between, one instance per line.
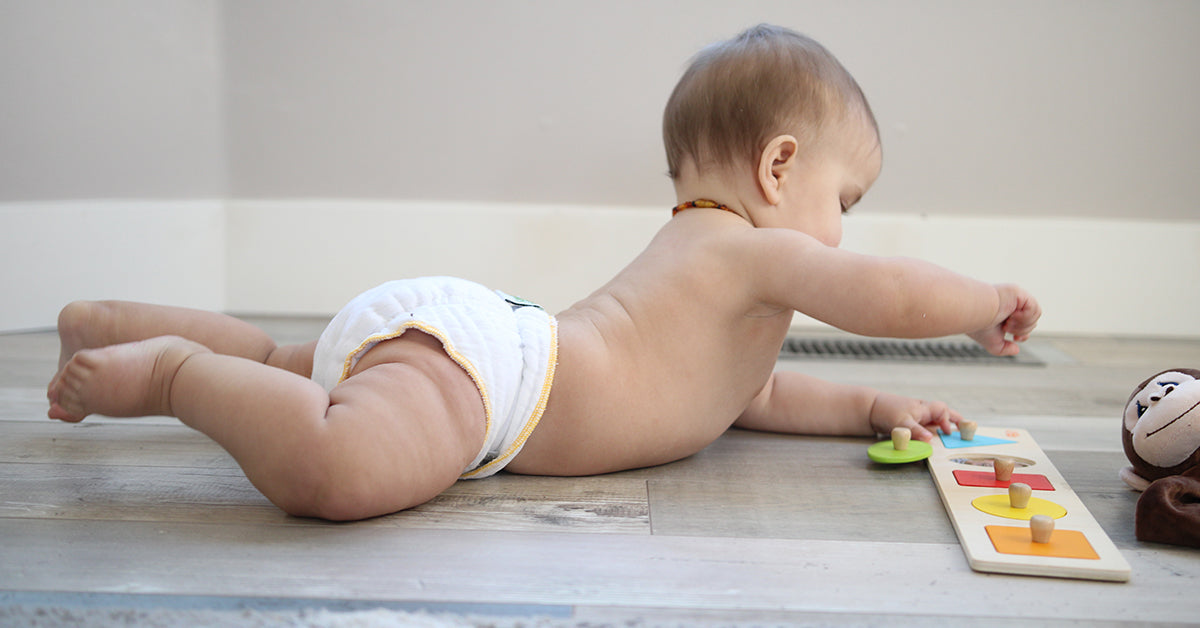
x=799, y=348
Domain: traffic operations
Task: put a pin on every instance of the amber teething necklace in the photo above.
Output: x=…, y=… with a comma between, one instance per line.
x=702, y=203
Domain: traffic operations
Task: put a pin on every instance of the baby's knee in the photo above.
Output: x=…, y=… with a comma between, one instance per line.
x=337, y=506
x=328, y=489
x=327, y=500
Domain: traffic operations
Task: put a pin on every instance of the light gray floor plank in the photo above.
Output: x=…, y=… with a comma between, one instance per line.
x=22, y=403
x=665, y=572
x=116, y=443
x=803, y=510
x=618, y=616
x=752, y=484
x=130, y=493
x=607, y=504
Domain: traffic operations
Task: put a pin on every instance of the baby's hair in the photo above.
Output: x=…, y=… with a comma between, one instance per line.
x=737, y=95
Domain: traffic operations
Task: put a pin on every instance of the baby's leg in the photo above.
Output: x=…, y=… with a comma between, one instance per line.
x=395, y=434
x=124, y=380
x=92, y=324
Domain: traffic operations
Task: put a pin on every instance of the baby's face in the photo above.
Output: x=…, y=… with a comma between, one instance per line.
x=833, y=178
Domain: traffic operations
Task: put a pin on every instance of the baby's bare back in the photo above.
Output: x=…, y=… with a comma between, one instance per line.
x=659, y=362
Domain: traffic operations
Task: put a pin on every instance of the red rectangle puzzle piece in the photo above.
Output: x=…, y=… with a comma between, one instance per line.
x=987, y=479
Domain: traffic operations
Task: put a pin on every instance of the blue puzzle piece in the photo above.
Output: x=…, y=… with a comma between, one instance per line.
x=955, y=441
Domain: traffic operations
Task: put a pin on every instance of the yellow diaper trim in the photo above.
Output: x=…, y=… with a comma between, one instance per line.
x=536, y=416
x=448, y=346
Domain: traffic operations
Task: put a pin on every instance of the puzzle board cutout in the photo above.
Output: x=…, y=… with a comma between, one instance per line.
x=996, y=537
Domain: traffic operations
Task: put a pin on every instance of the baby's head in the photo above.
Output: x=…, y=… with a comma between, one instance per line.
x=738, y=95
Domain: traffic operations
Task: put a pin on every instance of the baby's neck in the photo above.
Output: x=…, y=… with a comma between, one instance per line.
x=703, y=203
x=712, y=192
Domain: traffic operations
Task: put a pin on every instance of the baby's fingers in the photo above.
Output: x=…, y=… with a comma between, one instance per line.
x=918, y=431
x=991, y=339
x=943, y=417
x=1023, y=319
x=1019, y=330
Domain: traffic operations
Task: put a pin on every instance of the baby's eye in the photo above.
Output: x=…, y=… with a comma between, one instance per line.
x=1140, y=409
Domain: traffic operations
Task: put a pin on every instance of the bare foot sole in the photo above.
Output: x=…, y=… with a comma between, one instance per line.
x=74, y=322
x=123, y=380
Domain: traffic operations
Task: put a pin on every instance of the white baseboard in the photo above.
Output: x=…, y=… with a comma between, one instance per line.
x=1105, y=277
x=52, y=253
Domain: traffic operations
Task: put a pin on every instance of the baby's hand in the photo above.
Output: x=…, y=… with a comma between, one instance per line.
x=1017, y=316
x=891, y=411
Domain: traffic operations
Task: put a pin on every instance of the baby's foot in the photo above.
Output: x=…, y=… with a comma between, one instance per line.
x=76, y=322
x=131, y=379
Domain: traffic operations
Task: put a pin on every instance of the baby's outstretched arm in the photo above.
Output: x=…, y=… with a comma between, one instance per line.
x=878, y=296
x=793, y=403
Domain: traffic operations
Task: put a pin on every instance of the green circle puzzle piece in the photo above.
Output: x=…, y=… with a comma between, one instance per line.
x=884, y=452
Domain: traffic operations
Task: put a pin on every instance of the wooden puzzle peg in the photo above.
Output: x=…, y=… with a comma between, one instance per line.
x=1004, y=468
x=1041, y=527
x=1019, y=494
x=966, y=430
x=900, y=438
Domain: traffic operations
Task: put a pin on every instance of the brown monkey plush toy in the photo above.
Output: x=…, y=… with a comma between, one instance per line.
x=1161, y=434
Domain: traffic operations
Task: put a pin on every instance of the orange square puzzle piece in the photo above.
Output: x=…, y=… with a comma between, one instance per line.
x=1063, y=543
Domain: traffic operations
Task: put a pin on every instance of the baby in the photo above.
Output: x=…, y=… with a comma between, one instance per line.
x=417, y=383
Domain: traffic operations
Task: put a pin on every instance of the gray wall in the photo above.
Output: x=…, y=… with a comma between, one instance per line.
x=111, y=99
x=1081, y=109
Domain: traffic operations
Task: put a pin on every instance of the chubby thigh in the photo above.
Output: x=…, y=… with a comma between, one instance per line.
x=405, y=423
x=392, y=435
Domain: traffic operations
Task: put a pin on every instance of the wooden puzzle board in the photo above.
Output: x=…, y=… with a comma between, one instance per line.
x=996, y=538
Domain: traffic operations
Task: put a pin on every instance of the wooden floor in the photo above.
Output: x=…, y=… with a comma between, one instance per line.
x=755, y=529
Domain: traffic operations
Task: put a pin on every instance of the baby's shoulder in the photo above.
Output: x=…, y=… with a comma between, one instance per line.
x=765, y=248
x=749, y=257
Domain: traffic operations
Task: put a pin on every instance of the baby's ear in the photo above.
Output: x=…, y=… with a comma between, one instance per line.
x=774, y=166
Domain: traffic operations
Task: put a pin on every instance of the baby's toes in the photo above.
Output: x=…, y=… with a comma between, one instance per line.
x=66, y=400
x=65, y=405
x=60, y=413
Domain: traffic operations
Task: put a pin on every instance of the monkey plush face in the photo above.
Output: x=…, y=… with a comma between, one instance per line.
x=1162, y=424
